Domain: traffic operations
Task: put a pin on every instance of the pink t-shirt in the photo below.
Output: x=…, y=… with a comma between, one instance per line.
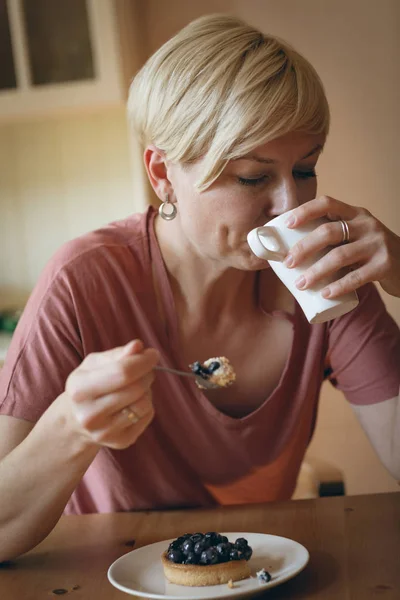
x=97, y=293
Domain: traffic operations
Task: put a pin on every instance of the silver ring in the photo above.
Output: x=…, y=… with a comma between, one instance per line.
x=345, y=230
x=130, y=414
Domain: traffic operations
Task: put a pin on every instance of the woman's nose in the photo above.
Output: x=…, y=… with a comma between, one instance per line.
x=284, y=197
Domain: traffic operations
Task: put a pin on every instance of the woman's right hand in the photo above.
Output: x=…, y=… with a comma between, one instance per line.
x=110, y=395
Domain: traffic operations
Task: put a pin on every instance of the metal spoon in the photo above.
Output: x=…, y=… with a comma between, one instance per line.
x=202, y=381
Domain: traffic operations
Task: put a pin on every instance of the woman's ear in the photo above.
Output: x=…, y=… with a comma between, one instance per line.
x=155, y=163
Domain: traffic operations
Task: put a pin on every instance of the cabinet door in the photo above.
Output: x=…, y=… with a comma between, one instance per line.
x=8, y=79
x=59, y=45
x=58, y=56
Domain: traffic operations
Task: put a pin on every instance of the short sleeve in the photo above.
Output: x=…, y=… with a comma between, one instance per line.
x=363, y=355
x=45, y=348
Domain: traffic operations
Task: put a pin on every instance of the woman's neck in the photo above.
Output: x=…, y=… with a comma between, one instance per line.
x=202, y=287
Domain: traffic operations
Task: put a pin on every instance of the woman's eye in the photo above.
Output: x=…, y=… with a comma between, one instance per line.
x=304, y=174
x=254, y=181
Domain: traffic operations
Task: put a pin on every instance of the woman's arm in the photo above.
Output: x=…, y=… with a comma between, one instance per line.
x=381, y=423
x=37, y=477
x=367, y=357
x=39, y=472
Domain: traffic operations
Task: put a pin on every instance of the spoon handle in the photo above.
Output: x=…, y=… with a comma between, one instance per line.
x=174, y=371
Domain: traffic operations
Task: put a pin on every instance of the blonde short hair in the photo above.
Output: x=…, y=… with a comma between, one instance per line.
x=220, y=88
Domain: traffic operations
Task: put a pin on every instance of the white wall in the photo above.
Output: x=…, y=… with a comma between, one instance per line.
x=58, y=178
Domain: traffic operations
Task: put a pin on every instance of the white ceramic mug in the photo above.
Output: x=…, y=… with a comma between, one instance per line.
x=273, y=241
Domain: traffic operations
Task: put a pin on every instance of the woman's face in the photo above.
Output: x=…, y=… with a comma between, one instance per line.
x=270, y=180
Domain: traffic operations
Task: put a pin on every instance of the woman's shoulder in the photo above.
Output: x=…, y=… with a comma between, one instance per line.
x=119, y=245
x=126, y=235
x=104, y=261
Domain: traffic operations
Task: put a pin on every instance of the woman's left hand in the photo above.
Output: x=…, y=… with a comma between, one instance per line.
x=372, y=251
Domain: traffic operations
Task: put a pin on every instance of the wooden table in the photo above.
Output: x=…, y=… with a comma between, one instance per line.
x=354, y=543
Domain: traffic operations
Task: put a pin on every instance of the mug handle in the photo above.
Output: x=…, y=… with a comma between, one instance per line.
x=261, y=236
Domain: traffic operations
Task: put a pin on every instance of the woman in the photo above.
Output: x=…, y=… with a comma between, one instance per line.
x=233, y=123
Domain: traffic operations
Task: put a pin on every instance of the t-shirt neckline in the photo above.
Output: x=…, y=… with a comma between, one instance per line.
x=172, y=338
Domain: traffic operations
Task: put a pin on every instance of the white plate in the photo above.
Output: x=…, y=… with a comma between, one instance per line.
x=140, y=572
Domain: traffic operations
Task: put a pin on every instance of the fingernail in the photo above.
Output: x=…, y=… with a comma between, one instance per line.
x=135, y=346
x=326, y=293
x=288, y=262
x=127, y=349
x=300, y=282
x=290, y=221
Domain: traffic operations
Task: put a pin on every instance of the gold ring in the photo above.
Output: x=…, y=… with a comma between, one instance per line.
x=345, y=230
x=130, y=414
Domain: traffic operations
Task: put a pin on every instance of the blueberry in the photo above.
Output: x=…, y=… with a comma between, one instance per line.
x=209, y=557
x=213, y=366
x=234, y=554
x=224, y=539
x=212, y=537
x=212, y=556
x=241, y=543
x=196, y=537
x=264, y=576
x=200, y=546
x=180, y=539
x=223, y=550
x=175, y=545
x=247, y=553
x=187, y=546
x=175, y=556
x=196, y=367
x=191, y=558
x=199, y=369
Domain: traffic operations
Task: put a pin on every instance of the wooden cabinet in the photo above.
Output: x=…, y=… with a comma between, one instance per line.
x=58, y=55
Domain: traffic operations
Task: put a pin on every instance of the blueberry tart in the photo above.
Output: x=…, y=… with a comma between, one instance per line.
x=198, y=559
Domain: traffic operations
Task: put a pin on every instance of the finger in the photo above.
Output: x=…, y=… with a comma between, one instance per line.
x=333, y=262
x=325, y=206
x=89, y=385
x=349, y=283
x=133, y=347
x=139, y=409
x=123, y=434
x=85, y=384
x=121, y=431
x=143, y=408
x=97, y=359
x=95, y=414
x=129, y=435
x=328, y=234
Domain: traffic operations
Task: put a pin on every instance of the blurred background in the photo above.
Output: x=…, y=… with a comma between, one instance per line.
x=68, y=163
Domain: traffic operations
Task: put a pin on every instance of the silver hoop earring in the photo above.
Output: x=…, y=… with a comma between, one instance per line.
x=170, y=206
